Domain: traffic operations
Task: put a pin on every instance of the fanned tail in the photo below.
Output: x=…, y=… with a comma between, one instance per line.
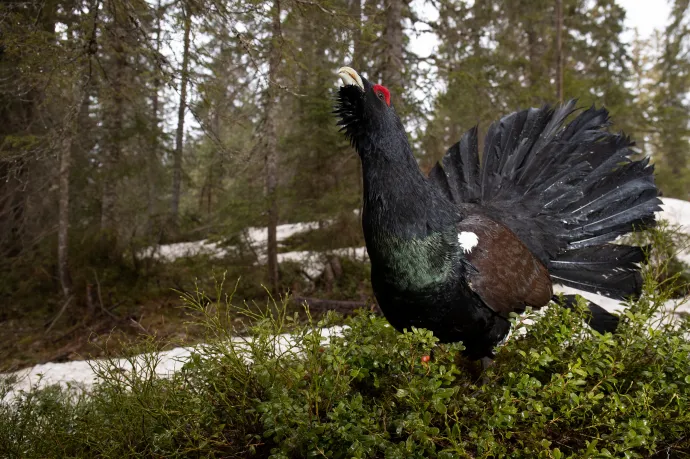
x=567, y=191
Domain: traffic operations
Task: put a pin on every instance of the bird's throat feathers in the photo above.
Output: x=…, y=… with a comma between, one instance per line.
x=400, y=204
x=409, y=226
x=399, y=200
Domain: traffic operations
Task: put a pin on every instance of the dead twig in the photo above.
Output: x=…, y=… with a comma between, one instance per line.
x=100, y=297
x=138, y=325
x=59, y=314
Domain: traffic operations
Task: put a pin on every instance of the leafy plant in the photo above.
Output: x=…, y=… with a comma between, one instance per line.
x=289, y=389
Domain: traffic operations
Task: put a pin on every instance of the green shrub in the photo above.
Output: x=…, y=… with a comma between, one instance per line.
x=559, y=390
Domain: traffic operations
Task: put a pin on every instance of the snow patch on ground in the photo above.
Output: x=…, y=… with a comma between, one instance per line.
x=257, y=236
x=171, y=252
x=82, y=375
x=681, y=305
x=677, y=214
x=254, y=236
x=313, y=263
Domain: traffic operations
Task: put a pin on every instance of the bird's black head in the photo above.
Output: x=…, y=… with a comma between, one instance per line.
x=367, y=115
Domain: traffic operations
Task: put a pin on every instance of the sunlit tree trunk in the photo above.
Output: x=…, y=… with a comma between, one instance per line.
x=356, y=11
x=271, y=147
x=179, y=135
x=357, y=60
x=213, y=161
x=393, y=69
x=155, y=135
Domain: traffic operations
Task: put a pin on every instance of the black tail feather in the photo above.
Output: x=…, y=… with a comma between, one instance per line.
x=567, y=191
x=598, y=318
x=617, y=284
x=608, y=256
x=458, y=174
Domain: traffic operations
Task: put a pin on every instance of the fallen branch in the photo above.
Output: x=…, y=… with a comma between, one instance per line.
x=64, y=352
x=70, y=330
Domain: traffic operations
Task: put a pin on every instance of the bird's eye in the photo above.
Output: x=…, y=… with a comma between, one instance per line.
x=382, y=93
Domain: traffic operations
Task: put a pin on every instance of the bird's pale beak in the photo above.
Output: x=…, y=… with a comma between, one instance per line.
x=349, y=76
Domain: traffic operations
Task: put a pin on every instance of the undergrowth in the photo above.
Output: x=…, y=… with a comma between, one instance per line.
x=288, y=390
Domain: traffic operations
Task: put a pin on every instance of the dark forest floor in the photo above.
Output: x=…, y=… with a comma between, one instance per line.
x=25, y=339
x=125, y=315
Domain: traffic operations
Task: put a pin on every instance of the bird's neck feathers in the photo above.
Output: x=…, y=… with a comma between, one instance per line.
x=409, y=226
x=398, y=199
x=408, y=229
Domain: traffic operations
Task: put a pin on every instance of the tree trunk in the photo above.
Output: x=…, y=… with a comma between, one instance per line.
x=271, y=145
x=79, y=105
x=76, y=114
x=155, y=136
x=532, y=54
x=63, y=213
x=357, y=60
x=392, y=71
x=179, y=136
x=114, y=118
x=214, y=160
x=559, y=50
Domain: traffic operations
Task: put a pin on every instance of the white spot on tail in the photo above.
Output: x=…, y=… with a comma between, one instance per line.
x=468, y=240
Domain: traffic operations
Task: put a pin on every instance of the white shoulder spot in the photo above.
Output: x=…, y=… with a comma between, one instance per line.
x=468, y=240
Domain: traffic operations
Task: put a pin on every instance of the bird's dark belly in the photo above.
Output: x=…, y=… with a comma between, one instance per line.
x=453, y=313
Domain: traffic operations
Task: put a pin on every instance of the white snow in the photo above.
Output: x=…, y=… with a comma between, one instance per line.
x=677, y=213
x=671, y=306
x=171, y=252
x=81, y=373
x=254, y=236
x=313, y=263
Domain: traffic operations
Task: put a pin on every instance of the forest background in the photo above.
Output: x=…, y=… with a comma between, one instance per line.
x=129, y=124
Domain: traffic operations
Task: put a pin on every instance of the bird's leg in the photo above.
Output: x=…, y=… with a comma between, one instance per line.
x=483, y=380
x=486, y=362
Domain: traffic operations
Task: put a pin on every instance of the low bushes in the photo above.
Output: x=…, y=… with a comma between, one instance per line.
x=559, y=390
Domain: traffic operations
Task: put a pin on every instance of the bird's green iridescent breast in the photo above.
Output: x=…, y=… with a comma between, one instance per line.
x=416, y=264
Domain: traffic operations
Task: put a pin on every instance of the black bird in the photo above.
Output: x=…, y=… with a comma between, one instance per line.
x=456, y=252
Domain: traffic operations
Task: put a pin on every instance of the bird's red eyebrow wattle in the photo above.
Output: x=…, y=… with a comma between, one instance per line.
x=383, y=90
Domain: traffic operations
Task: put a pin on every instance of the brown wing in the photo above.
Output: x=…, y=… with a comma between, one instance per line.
x=508, y=276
